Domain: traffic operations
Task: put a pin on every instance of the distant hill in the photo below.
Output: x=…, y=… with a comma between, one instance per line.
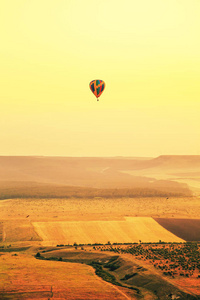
x=101, y=173
x=11, y=190
x=176, y=162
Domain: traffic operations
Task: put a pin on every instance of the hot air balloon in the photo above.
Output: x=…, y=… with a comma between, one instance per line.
x=97, y=87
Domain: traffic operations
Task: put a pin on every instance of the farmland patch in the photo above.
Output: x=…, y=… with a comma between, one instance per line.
x=187, y=229
x=84, y=232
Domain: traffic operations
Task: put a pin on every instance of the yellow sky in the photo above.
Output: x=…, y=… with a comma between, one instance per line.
x=147, y=52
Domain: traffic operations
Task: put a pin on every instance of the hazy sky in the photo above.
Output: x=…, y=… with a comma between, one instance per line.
x=147, y=52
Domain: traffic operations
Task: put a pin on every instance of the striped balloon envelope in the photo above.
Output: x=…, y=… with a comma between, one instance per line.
x=97, y=87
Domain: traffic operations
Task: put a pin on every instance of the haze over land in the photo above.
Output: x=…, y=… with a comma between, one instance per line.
x=147, y=173
x=51, y=201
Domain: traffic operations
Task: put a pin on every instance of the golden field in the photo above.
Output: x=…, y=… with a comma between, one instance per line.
x=130, y=230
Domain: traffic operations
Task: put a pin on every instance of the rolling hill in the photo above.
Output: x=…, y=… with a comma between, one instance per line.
x=17, y=173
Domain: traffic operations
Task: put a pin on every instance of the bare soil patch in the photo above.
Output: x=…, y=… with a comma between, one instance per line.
x=187, y=229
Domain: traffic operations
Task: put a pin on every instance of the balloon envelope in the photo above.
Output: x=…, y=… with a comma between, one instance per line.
x=97, y=87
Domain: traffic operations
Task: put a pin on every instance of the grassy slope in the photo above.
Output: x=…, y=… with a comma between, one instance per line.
x=23, y=277
x=144, y=280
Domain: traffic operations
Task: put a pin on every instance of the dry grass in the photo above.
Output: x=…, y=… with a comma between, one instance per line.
x=98, y=208
x=191, y=285
x=19, y=230
x=23, y=276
